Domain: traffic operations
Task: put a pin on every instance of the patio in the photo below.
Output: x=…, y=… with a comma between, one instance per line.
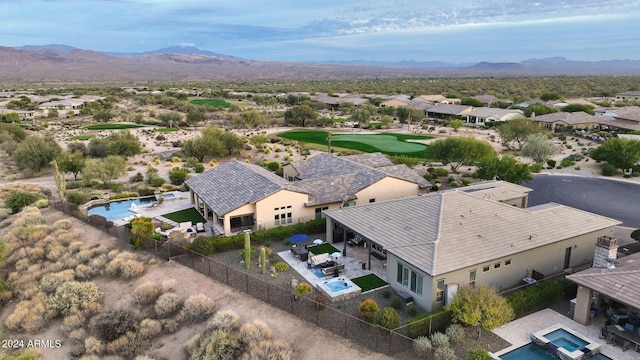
x=356, y=256
x=518, y=332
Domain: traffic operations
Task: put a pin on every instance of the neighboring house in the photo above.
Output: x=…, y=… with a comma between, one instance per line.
x=333, y=102
x=67, y=104
x=612, y=282
x=628, y=96
x=394, y=103
x=236, y=196
x=579, y=120
x=485, y=115
x=431, y=98
x=489, y=100
x=475, y=235
x=22, y=114
x=448, y=111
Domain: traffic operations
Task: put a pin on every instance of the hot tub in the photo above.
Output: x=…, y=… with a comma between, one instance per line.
x=340, y=288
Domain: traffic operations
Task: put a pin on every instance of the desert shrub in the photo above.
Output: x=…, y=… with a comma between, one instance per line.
x=396, y=302
x=156, y=181
x=220, y=344
x=19, y=199
x=41, y=203
x=28, y=315
x=202, y=245
x=551, y=163
x=445, y=353
x=439, y=340
x=388, y=318
x=412, y=310
x=303, y=289
x=199, y=168
x=281, y=266
x=73, y=296
x=51, y=281
x=29, y=216
x=77, y=334
x=254, y=332
x=197, y=308
x=167, y=305
x=115, y=323
x=170, y=326
x=72, y=322
x=4, y=213
x=322, y=301
x=125, y=265
x=177, y=176
x=146, y=293
x=535, y=168
x=455, y=332
x=223, y=320
x=138, y=177
x=269, y=350
x=422, y=346
x=478, y=354
x=126, y=345
x=609, y=170
x=150, y=328
x=93, y=346
x=368, y=309
x=438, y=171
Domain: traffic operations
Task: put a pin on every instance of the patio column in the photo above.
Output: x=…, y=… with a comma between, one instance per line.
x=344, y=241
x=191, y=196
x=329, y=230
x=369, y=246
x=206, y=212
x=583, y=305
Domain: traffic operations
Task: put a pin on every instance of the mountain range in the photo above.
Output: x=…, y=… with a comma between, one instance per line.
x=63, y=63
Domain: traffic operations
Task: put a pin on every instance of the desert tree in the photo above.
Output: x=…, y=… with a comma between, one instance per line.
x=35, y=152
x=539, y=148
x=517, y=130
x=620, y=152
x=300, y=115
x=480, y=306
x=458, y=151
x=71, y=162
x=505, y=168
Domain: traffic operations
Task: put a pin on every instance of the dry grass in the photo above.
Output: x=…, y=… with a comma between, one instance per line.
x=197, y=308
x=269, y=350
x=30, y=215
x=255, y=332
x=51, y=281
x=73, y=297
x=93, y=346
x=146, y=293
x=29, y=315
x=167, y=305
x=150, y=328
x=124, y=265
x=224, y=320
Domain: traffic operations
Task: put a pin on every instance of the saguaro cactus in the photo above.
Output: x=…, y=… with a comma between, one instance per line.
x=247, y=250
x=263, y=260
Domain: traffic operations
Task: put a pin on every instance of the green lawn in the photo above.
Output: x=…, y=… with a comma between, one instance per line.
x=167, y=129
x=113, y=126
x=390, y=144
x=211, y=102
x=185, y=215
x=322, y=249
x=369, y=282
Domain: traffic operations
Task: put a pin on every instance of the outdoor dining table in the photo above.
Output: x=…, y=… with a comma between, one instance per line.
x=620, y=332
x=300, y=252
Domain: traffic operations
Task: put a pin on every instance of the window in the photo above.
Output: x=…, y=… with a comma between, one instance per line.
x=319, y=214
x=372, y=200
x=289, y=218
x=410, y=279
x=472, y=278
x=440, y=290
x=276, y=220
x=507, y=262
x=486, y=268
x=496, y=265
x=351, y=203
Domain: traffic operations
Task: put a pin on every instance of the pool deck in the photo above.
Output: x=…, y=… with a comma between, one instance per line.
x=352, y=264
x=518, y=332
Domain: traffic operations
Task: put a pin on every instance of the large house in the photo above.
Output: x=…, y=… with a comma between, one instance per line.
x=476, y=235
x=485, y=115
x=236, y=196
x=448, y=111
x=578, y=120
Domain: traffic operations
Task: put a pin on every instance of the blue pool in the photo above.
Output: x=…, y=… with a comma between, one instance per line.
x=563, y=338
x=532, y=351
x=168, y=196
x=336, y=286
x=117, y=210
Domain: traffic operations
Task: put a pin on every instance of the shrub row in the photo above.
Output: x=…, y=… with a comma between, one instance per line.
x=222, y=244
x=436, y=320
x=539, y=296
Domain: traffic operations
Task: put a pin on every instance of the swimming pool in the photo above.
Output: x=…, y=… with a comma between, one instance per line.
x=565, y=343
x=116, y=210
x=168, y=195
x=532, y=351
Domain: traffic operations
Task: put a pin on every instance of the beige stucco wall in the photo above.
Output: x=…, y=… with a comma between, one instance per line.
x=288, y=171
x=243, y=210
x=386, y=189
x=423, y=301
x=520, y=202
x=265, y=208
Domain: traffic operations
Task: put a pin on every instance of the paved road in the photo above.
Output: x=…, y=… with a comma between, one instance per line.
x=615, y=199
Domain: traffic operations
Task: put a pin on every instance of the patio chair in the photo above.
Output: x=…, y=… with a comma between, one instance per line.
x=603, y=333
x=200, y=227
x=611, y=338
x=628, y=327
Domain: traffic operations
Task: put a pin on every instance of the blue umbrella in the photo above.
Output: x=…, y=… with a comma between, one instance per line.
x=298, y=238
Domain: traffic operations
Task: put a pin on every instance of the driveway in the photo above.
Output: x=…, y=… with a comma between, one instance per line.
x=615, y=199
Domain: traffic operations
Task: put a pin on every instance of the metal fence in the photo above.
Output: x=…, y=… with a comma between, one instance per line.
x=395, y=343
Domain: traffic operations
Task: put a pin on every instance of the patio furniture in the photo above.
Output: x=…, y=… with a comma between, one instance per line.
x=319, y=259
x=200, y=227
x=300, y=252
x=333, y=269
x=406, y=297
x=618, y=335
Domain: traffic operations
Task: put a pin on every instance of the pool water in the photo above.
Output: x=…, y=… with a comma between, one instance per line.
x=564, y=339
x=168, y=196
x=336, y=286
x=117, y=210
x=530, y=351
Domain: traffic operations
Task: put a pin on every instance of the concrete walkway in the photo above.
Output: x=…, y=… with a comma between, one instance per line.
x=518, y=332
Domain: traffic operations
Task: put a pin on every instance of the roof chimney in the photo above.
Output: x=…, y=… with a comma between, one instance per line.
x=606, y=250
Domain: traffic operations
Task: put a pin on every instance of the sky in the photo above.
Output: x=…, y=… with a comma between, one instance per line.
x=455, y=31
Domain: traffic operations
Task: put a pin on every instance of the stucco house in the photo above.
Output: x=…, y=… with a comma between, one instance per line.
x=628, y=96
x=485, y=115
x=579, y=120
x=236, y=196
x=476, y=235
x=448, y=111
x=610, y=283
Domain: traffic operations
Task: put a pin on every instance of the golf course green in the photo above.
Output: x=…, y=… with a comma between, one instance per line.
x=386, y=143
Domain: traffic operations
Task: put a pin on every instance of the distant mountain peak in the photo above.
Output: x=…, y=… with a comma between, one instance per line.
x=187, y=49
x=63, y=48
